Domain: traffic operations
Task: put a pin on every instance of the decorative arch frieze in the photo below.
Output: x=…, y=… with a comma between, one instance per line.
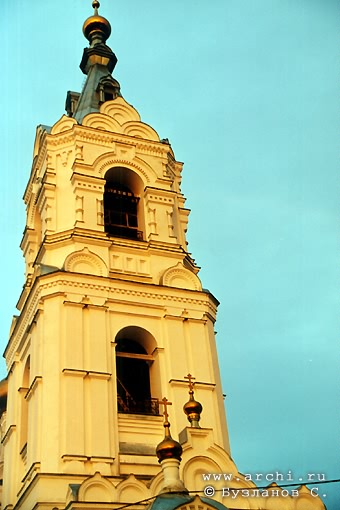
x=196, y=467
x=140, y=130
x=120, y=110
x=180, y=277
x=39, y=139
x=86, y=262
x=306, y=500
x=103, y=122
x=97, y=488
x=131, y=490
x=63, y=124
x=124, y=119
x=157, y=482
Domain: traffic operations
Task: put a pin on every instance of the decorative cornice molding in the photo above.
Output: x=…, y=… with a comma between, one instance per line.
x=90, y=134
x=8, y=434
x=91, y=374
x=64, y=138
x=25, y=318
x=60, y=282
x=33, y=387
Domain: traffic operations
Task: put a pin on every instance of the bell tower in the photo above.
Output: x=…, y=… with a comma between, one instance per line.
x=112, y=315
x=111, y=319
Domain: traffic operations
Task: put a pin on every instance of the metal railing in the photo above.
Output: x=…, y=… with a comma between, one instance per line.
x=148, y=406
x=127, y=404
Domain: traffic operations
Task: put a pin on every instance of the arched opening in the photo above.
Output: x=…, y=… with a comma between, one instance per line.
x=108, y=89
x=133, y=363
x=122, y=217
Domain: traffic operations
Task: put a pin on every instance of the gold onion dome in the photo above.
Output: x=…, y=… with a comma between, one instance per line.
x=96, y=25
x=168, y=449
x=193, y=409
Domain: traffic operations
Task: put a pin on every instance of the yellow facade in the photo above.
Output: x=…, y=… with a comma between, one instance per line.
x=111, y=319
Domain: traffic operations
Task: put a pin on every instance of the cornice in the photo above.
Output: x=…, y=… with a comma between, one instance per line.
x=75, y=372
x=63, y=138
x=88, y=134
x=94, y=135
x=36, y=165
x=83, y=180
x=150, y=148
x=118, y=287
x=36, y=381
x=24, y=320
x=160, y=194
x=41, y=156
x=8, y=433
x=77, y=233
x=61, y=282
x=184, y=318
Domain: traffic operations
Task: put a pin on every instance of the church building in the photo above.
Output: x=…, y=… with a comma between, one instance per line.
x=113, y=397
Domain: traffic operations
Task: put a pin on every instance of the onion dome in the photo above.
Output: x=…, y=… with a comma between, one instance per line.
x=98, y=62
x=168, y=449
x=96, y=28
x=192, y=408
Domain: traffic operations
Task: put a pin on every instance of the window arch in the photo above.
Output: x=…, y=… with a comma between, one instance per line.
x=133, y=369
x=122, y=217
x=108, y=89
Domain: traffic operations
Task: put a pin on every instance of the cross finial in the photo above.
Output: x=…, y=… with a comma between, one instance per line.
x=190, y=379
x=192, y=408
x=165, y=402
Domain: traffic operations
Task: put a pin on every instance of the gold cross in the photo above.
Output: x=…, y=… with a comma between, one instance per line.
x=190, y=378
x=165, y=402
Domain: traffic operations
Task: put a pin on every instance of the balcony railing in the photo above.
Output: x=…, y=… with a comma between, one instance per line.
x=123, y=231
x=149, y=406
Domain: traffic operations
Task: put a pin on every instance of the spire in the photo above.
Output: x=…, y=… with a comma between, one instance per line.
x=169, y=454
x=97, y=63
x=192, y=408
x=96, y=28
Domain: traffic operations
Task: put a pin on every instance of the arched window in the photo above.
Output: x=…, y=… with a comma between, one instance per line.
x=108, y=89
x=133, y=377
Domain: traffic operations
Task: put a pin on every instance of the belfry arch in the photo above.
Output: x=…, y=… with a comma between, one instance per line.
x=123, y=204
x=137, y=371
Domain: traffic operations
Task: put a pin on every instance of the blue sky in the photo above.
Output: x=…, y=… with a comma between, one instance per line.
x=247, y=93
